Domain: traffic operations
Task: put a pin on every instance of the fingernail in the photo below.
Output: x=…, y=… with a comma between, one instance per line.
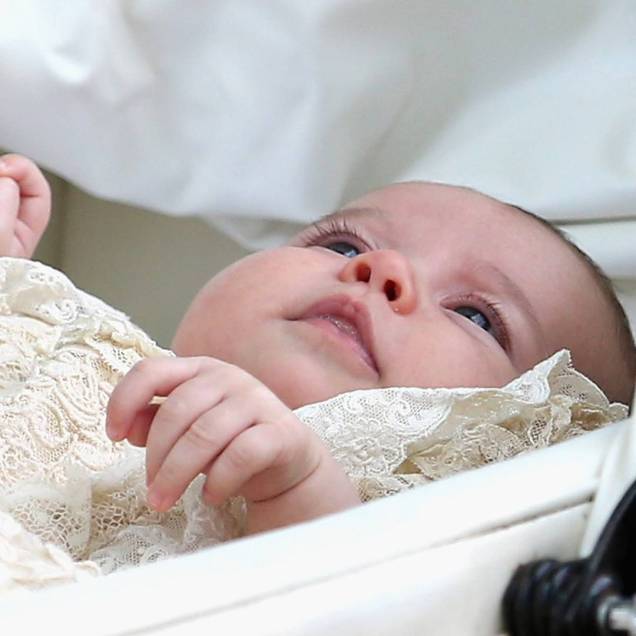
x=156, y=501
x=3, y=166
x=111, y=431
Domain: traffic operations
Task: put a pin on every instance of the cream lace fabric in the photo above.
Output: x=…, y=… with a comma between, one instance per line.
x=72, y=504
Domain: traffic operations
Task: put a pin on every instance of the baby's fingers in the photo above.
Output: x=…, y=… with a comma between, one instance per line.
x=139, y=429
x=148, y=378
x=195, y=450
x=29, y=177
x=9, y=204
x=31, y=215
x=188, y=402
x=264, y=461
x=249, y=454
x=9, y=201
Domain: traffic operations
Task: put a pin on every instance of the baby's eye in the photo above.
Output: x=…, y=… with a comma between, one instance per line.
x=338, y=235
x=476, y=316
x=342, y=247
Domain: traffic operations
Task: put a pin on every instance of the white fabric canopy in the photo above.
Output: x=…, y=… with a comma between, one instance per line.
x=279, y=111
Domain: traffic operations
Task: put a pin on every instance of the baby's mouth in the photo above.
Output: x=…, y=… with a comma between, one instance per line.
x=349, y=322
x=344, y=325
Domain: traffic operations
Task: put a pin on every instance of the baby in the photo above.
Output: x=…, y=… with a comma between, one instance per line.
x=414, y=284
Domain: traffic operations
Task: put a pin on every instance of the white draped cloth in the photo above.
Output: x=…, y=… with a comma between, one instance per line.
x=72, y=504
x=256, y=115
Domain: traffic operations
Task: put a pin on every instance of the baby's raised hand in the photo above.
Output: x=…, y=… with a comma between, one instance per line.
x=219, y=420
x=25, y=206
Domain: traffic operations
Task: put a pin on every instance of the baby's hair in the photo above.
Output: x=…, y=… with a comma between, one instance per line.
x=623, y=331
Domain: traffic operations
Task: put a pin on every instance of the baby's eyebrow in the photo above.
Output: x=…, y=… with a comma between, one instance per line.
x=346, y=213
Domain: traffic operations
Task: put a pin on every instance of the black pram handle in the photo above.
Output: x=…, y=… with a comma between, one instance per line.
x=587, y=597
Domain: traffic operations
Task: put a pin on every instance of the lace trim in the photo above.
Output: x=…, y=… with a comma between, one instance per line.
x=439, y=432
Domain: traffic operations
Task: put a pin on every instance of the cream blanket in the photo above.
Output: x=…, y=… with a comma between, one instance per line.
x=72, y=504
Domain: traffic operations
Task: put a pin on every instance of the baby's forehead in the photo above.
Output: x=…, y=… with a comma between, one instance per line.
x=427, y=198
x=420, y=203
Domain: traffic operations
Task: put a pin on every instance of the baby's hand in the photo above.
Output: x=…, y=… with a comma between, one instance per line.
x=25, y=206
x=219, y=420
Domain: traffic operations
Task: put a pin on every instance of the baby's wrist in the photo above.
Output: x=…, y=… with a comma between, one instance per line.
x=326, y=490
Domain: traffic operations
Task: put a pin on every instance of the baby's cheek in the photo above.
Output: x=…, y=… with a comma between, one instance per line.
x=451, y=363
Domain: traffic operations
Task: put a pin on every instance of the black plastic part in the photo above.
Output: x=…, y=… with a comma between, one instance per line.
x=550, y=598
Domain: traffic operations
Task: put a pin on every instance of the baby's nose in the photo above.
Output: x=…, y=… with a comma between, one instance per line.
x=385, y=271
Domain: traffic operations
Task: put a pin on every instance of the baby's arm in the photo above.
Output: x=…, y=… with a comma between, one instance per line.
x=219, y=420
x=25, y=206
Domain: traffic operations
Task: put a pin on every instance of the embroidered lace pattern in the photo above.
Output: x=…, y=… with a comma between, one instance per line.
x=72, y=504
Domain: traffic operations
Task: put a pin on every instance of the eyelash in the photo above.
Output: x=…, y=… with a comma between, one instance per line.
x=322, y=232
x=493, y=311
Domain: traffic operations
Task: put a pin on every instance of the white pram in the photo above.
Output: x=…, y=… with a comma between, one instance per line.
x=342, y=96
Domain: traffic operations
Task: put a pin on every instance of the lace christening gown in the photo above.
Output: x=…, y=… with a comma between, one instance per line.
x=72, y=504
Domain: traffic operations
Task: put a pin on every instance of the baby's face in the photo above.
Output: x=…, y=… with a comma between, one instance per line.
x=411, y=285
